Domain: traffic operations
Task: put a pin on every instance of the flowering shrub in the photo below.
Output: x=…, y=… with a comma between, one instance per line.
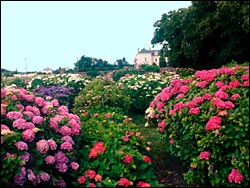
x=101, y=92
x=37, y=141
x=143, y=88
x=116, y=152
x=75, y=81
x=205, y=122
x=64, y=95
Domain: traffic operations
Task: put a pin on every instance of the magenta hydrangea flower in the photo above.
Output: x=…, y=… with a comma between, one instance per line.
x=62, y=167
x=68, y=139
x=235, y=176
x=37, y=120
x=66, y=146
x=194, y=111
x=13, y=115
x=19, y=123
x=44, y=176
x=61, y=157
x=22, y=145
x=74, y=165
x=64, y=130
x=31, y=175
x=39, y=101
x=205, y=155
x=42, y=146
x=213, y=123
x=28, y=135
x=52, y=144
x=49, y=159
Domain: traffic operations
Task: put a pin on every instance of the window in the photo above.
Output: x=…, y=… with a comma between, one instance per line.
x=144, y=59
x=156, y=59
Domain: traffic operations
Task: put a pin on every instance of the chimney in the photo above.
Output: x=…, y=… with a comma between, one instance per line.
x=138, y=50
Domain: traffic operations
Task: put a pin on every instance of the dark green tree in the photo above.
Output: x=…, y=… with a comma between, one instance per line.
x=205, y=35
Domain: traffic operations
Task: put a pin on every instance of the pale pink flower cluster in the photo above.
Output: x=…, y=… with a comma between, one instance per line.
x=52, y=144
x=38, y=120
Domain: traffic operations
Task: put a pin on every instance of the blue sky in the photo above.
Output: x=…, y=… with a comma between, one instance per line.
x=54, y=34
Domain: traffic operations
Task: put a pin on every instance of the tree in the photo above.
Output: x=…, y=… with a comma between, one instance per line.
x=205, y=35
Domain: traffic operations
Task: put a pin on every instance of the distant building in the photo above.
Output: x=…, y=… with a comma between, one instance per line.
x=47, y=70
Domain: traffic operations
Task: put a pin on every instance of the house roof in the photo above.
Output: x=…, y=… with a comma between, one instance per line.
x=47, y=69
x=143, y=50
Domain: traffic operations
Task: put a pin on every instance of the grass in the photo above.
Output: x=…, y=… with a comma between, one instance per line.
x=168, y=170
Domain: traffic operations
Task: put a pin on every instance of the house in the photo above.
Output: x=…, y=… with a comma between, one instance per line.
x=148, y=57
x=47, y=70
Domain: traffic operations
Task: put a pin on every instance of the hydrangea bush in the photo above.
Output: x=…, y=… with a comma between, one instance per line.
x=205, y=122
x=37, y=141
x=64, y=95
x=68, y=80
x=143, y=88
x=101, y=92
x=115, y=150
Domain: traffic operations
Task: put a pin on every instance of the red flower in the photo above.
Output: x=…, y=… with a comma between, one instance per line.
x=81, y=180
x=143, y=184
x=146, y=159
x=128, y=159
x=90, y=174
x=124, y=182
x=235, y=176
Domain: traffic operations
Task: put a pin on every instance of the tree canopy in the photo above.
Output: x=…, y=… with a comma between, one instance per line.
x=207, y=34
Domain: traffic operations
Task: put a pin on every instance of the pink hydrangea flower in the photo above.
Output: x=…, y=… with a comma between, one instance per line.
x=68, y=139
x=74, y=165
x=205, y=155
x=39, y=101
x=194, y=111
x=202, y=84
x=62, y=167
x=19, y=123
x=213, y=123
x=20, y=107
x=37, y=120
x=44, y=176
x=61, y=157
x=81, y=180
x=28, y=135
x=31, y=175
x=235, y=176
x=22, y=145
x=235, y=96
x=220, y=94
x=52, y=144
x=29, y=98
x=234, y=83
x=49, y=159
x=25, y=157
x=42, y=146
x=66, y=146
x=64, y=130
x=13, y=115
x=207, y=96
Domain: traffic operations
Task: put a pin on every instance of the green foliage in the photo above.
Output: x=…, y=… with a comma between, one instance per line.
x=205, y=35
x=150, y=68
x=209, y=112
x=93, y=73
x=185, y=72
x=101, y=92
x=120, y=73
x=18, y=82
